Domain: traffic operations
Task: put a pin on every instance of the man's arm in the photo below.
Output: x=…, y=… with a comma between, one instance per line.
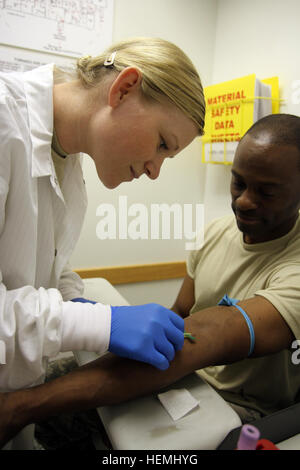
x=222, y=337
x=271, y=331
x=110, y=380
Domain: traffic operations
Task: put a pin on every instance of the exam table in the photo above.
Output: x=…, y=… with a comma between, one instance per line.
x=143, y=423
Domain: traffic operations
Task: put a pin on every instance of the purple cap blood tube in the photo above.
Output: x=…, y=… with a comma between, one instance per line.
x=248, y=437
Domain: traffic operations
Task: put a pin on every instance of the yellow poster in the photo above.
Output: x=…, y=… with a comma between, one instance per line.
x=230, y=109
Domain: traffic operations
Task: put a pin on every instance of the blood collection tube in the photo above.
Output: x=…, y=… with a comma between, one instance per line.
x=248, y=438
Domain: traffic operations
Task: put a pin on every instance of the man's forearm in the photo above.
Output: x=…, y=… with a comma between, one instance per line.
x=105, y=381
x=111, y=380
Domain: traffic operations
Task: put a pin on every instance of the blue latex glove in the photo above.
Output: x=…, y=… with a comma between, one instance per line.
x=148, y=333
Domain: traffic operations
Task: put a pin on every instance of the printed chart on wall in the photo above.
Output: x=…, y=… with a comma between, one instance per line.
x=71, y=28
x=13, y=59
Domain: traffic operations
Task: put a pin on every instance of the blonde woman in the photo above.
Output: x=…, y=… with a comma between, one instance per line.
x=129, y=109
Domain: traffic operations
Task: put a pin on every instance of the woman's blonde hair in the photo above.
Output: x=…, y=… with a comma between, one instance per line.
x=166, y=71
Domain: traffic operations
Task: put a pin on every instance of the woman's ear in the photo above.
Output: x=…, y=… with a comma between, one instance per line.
x=127, y=82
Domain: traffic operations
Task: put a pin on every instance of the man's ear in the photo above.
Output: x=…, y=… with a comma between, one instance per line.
x=127, y=82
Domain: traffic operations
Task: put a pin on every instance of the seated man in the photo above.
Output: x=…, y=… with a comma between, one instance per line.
x=243, y=346
x=254, y=256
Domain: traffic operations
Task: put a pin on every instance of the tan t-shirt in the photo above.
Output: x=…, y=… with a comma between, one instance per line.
x=227, y=265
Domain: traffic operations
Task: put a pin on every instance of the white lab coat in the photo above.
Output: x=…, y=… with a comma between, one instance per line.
x=40, y=224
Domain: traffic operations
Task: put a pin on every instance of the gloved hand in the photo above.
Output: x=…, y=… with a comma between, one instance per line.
x=148, y=333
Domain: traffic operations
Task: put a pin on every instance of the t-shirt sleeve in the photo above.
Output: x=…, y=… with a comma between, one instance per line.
x=211, y=229
x=191, y=264
x=283, y=291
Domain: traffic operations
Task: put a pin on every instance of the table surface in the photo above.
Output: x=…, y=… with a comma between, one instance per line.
x=144, y=423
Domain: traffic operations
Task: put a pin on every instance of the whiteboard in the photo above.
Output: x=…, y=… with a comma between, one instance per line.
x=72, y=28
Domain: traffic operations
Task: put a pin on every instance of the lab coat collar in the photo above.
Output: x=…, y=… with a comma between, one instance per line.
x=38, y=86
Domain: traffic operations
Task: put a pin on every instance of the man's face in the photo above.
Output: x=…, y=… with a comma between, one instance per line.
x=265, y=188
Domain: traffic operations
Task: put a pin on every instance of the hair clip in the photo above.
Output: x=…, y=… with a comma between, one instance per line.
x=109, y=62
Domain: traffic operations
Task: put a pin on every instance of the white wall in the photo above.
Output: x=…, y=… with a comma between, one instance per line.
x=261, y=37
x=191, y=25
